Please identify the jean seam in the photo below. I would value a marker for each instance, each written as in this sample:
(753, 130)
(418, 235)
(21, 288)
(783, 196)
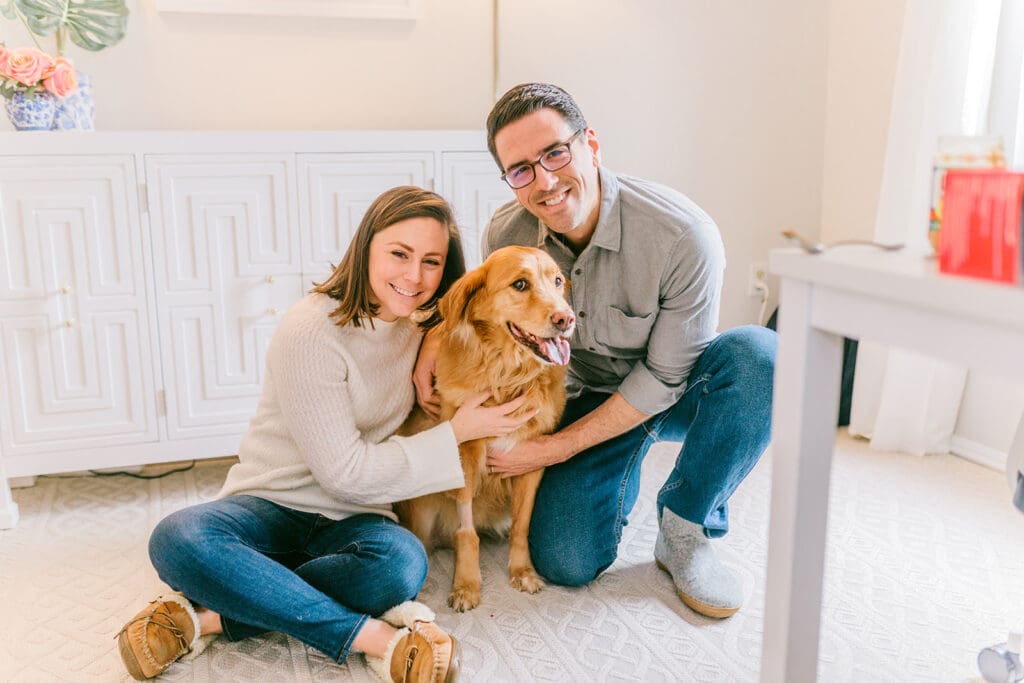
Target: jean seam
(363, 618)
(622, 492)
(702, 381)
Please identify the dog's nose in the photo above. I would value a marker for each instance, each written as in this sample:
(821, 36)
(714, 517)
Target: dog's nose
(563, 320)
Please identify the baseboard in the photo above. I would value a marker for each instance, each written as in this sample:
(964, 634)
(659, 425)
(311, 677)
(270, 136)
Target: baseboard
(978, 453)
(9, 516)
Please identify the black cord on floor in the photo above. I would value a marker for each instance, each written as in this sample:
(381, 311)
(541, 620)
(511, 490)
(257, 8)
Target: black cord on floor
(124, 474)
(186, 468)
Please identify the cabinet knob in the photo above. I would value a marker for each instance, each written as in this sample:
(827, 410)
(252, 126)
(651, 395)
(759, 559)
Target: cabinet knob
(66, 289)
(70, 322)
(269, 279)
(272, 311)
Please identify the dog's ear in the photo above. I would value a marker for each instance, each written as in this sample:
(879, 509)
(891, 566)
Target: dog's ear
(455, 304)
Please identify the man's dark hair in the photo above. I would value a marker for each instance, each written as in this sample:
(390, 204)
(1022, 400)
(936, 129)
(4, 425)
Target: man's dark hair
(526, 98)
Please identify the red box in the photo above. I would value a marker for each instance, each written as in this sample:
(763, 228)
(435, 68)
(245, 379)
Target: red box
(981, 224)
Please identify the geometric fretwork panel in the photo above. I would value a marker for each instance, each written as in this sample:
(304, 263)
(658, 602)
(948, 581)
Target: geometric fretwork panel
(474, 188)
(227, 266)
(74, 338)
(338, 188)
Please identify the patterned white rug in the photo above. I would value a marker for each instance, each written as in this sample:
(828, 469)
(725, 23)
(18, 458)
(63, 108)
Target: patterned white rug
(924, 568)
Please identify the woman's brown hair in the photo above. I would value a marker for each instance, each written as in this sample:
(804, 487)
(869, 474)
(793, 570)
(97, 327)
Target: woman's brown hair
(349, 283)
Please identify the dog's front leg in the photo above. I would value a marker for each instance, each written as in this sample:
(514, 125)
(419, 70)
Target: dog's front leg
(521, 573)
(466, 582)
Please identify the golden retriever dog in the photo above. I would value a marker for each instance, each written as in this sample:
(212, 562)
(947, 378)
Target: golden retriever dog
(505, 330)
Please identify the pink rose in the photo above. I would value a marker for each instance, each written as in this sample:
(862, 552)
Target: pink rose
(3, 60)
(27, 65)
(62, 78)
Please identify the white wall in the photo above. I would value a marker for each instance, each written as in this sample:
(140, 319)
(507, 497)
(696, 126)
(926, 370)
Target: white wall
(863, 47)
(989, 414)
(202, 71)
(721, 100)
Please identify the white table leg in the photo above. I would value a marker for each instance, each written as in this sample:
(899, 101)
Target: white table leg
(8, 508)
(805, 406)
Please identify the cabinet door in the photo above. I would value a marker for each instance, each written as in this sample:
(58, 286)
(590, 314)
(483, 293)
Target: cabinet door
(226, 258)
(76, 368)
(336, 191)
(473, 185)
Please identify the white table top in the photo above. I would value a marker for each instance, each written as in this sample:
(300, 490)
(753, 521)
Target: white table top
(904, 278)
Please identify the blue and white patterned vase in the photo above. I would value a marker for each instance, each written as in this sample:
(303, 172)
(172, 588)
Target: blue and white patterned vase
(31, 114)
(76, 111)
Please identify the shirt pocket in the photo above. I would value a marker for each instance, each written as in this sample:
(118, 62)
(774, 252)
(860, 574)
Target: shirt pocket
(624, 335)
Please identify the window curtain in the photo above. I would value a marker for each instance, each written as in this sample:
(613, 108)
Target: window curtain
(959, 72)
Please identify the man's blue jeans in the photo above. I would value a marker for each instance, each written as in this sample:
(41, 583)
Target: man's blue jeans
(265, 567)
(724, 422)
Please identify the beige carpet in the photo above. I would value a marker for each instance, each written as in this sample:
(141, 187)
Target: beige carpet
(925, 566)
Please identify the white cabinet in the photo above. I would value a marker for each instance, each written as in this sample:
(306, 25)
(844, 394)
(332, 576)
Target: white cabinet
(474, 187)
(336, 191)
(76, 367)
(226, 260)
(142, 276)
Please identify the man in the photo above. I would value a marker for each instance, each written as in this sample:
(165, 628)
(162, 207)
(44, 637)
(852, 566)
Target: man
(646, 266)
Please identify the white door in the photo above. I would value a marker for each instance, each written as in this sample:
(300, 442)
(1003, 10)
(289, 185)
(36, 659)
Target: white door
(336, 191)
(76, 367)
(473, 185)
(227, 265)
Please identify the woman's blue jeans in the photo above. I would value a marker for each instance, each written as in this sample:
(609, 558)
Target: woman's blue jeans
(724, 422)
(266, 567)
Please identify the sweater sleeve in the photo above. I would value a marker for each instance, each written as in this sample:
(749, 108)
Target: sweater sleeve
(310, 377)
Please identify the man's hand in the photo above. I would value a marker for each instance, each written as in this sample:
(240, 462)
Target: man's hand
(423, 374)
(524, 457)
(613, 417)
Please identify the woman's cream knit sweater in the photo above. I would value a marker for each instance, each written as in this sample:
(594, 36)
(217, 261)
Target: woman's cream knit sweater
(332, 397)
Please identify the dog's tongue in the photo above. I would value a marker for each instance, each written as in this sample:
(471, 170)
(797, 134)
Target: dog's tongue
(555, 350)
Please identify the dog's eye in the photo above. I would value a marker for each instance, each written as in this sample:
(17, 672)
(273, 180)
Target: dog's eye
(558, 282)
(521, 285)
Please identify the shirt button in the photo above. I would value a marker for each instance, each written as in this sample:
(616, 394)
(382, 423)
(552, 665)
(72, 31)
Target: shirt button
(582, 314)
(578, 271)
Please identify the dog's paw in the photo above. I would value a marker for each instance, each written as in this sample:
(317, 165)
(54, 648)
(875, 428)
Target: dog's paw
(464, 598)
(525, 580)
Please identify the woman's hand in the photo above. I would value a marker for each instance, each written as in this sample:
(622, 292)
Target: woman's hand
(473, 421)
(423, 375)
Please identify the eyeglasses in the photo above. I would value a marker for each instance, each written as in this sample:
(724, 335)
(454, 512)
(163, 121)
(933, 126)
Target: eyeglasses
(557, 157)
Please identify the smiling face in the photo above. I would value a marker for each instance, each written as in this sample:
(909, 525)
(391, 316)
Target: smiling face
(405, 266)
(530, 294)
(567, 200)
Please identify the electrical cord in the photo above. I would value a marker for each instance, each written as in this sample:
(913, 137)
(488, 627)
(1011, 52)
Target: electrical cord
(133, 475)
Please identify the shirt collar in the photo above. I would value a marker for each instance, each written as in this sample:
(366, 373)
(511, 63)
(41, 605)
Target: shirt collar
(608, 234)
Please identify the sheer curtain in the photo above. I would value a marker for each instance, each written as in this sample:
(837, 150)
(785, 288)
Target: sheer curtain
(959, 72)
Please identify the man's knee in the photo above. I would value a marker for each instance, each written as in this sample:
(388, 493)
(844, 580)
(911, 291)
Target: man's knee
(561, 566)
(750, 350)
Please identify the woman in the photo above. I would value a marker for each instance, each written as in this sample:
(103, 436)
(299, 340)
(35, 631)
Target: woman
(302, 539)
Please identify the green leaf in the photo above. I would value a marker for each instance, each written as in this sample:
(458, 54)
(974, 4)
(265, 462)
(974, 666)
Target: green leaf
(7, 9)
(91, 24)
